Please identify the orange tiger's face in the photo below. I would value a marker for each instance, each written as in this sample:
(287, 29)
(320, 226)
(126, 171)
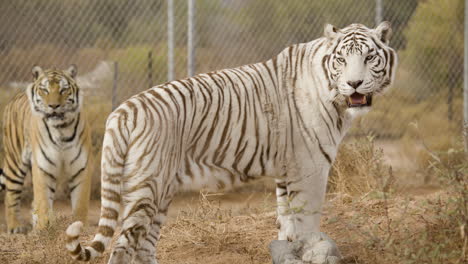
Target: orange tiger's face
(54, 93)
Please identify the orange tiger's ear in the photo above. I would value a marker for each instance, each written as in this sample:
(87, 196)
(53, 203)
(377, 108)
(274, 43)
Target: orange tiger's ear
(36, 71)
(384, 31)
(72, 71)
(330, 31)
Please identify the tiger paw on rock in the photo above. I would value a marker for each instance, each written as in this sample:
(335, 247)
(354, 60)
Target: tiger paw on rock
(311, 248)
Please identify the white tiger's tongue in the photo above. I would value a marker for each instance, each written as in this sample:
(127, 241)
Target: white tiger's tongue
(357, 99)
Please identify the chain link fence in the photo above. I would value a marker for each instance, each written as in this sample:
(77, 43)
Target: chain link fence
(121, 48)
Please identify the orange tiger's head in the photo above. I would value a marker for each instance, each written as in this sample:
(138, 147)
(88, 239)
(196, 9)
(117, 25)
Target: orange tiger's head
(54, 93)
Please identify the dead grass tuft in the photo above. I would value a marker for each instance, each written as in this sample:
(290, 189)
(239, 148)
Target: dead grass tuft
(416, 230)
(206, 230)
(359, 169)
(38, 247)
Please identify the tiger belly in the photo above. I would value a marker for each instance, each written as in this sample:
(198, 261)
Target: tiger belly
(232, 171)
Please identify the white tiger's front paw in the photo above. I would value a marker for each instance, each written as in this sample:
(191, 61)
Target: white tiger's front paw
(310, 248)
(145, 259)
(318, 248)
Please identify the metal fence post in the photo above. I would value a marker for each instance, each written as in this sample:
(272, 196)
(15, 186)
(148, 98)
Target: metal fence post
(190, 38)
(378, 12)
(170, 40)
(465, 82)
(114, 86)
(150, 69)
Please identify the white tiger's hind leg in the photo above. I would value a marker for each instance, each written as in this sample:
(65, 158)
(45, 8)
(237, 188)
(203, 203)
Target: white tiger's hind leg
(146, 251)
(135, 228)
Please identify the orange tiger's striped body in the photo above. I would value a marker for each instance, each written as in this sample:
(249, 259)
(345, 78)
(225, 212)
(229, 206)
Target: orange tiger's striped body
(46, 134)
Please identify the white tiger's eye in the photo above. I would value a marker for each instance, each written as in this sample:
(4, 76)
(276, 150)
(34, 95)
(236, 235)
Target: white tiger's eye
(370, 57)
(340, 60)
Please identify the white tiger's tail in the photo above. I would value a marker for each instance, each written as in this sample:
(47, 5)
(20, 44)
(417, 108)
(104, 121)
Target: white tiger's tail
(112, 167)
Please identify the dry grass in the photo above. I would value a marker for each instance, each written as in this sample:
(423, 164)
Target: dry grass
(46, 246)
(433, 149)
(204, 231)
(399, 227)
(210, 233)
(384, 230)
(360, 169)
(412, 229)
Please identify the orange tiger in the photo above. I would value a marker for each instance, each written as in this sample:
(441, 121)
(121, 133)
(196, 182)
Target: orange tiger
(46, 133)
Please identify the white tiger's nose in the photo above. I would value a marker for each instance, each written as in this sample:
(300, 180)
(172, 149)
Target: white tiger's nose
(354, 84)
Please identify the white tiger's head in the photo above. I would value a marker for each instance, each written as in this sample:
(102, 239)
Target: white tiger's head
(361, 63)
(54, 93)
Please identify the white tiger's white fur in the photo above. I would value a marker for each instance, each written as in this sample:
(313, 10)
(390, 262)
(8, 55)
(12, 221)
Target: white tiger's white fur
(282, 118)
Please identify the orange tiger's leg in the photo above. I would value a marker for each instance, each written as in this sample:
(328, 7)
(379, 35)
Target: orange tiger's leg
(44, 189)
(80, 189)
(13, 180)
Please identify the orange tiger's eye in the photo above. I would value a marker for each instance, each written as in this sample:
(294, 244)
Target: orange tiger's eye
(42, 92)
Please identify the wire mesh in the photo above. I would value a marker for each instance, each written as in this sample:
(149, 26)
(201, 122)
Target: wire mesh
(121, 48)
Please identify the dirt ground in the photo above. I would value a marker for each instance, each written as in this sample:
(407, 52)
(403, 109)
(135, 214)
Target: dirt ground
(237, 226)
(229, 228)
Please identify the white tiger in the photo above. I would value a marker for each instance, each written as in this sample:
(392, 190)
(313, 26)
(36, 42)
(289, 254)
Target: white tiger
(283, 118)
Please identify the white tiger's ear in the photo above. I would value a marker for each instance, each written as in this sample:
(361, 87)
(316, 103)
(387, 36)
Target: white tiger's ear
(384, 31)
(72, 71)
(330, 31)
(36, 71)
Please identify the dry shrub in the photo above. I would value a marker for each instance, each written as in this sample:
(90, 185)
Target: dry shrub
(424, 143)
(208, 231)
(359, 169)
(414, 229)
(397, 230)
(46, 246)
(449, 229)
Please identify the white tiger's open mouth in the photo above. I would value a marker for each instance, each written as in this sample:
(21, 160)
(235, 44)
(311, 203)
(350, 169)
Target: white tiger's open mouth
(359, 100)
